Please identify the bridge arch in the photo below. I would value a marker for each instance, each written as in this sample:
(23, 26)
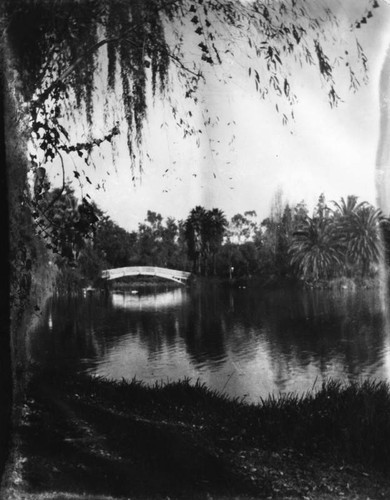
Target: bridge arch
(160, 272)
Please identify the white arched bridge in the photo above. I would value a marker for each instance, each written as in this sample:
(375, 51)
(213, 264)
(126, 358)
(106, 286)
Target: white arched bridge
(160, 272)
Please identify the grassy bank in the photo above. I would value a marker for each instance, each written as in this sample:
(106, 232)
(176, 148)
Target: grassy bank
(86, 436)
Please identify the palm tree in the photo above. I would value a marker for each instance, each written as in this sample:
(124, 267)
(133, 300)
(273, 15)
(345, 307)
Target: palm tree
(215, 227)
(349, 207)
(385, 236)
(358, 230)
(314, 252)
(195, 236)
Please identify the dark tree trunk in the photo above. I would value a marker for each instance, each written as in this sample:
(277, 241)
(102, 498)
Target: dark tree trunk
(5, 340)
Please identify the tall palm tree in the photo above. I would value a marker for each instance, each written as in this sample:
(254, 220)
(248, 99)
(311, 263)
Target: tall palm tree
(215, 227)
(358, 230)
(314, 252)
(348, 207)
(195, 236)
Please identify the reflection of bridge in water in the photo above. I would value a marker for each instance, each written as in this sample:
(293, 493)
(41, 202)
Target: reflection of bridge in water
(160, 272)
(154, 302)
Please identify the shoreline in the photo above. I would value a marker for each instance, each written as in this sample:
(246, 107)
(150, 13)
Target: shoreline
(82, 436)
(334, 284)
(89, 436)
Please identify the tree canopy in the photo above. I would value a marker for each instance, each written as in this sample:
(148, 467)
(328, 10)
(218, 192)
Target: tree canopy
(69, 54)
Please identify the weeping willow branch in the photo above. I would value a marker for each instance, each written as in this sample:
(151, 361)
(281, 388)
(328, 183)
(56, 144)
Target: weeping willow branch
(42, 97)
(56, 198)
(92, 49)
(169, 54)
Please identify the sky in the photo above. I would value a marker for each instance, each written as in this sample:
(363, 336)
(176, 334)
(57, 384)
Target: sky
(249, 155)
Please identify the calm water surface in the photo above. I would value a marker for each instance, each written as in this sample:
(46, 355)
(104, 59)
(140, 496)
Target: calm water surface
(243, 342)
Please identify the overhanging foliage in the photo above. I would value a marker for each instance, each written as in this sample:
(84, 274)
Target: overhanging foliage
(172, 47)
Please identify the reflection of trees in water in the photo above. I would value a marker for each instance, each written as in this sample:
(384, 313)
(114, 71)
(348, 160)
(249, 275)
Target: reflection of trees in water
(72, 329)
(157, 332)
(297, 329)
(314, 331)
(204, 332)
(66, 333)
(345, 330)
(154, 331)
(153, 319)
(196, 323)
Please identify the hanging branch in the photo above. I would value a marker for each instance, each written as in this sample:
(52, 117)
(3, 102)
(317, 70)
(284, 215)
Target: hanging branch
(42, 97)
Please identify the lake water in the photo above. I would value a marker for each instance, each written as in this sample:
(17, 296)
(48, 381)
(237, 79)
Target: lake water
(243, 342)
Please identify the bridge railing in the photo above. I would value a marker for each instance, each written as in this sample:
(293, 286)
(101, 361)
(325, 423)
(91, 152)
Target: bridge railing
(145, 271)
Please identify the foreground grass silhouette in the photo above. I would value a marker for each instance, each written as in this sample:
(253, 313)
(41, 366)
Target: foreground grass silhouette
(88, 436)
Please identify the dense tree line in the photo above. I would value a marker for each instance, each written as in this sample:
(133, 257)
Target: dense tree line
(342, 240)
(345, 238)
(54, 54)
